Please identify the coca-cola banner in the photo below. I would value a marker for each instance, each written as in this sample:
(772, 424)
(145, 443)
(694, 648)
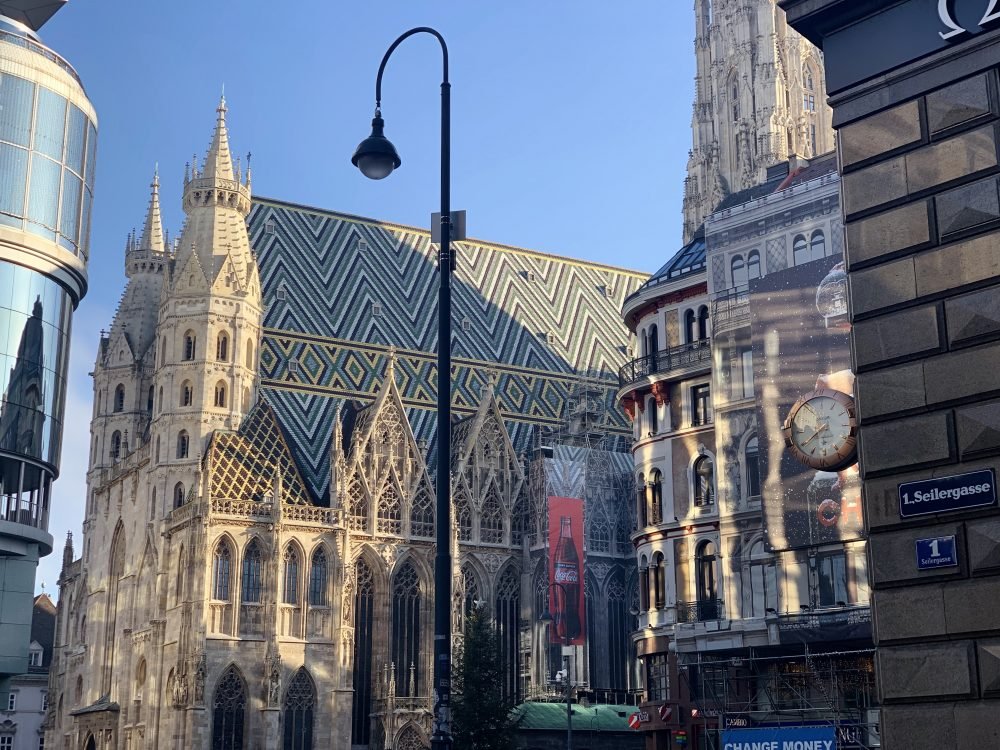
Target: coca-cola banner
(566, 571)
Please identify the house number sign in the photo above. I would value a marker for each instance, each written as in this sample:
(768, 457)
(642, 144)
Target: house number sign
(946, 12)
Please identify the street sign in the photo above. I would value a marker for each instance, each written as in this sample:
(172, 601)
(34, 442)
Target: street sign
(634, 722)
(780, 738)
(665, 712)
(945, 494)
(936, 552)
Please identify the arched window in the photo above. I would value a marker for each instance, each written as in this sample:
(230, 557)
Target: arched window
(78, 693)
(187, 393)
(357, 503)
(297, 720)
(251, 364)
(817, 245)
(178, 495)
(229, 705)
(491, 519)
(753, 264)
(119, 398)
(140, 679)
(738, 267)
(690, 326)
(409, 739)
(406, 600)
(422, 514)
(470, 590)
(116, 445)
(183, 444)
(598, 532)
(654, 341)
(463, 514)
(159, 399)
(190, 345)
(619, 631)
(364, 606)
(290, 578)
(152, 504)
(734, 90)
(651, 415)
(506, 616)
(318, 579)
(704, 482)
(149, 400)
(659, 582)
(760, 585)
(708, 604)
(253, 582)
(222, 347)
(703, 323)
(220, 395)
(390, 511)
(752, 468)
(800, 250)
(222, 571)
(656, 495)
(643, 507)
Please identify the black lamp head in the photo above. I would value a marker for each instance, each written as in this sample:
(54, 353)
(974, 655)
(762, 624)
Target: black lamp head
(375, 156)
(546, 616)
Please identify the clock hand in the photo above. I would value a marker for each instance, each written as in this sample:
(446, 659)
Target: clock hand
(815, 434)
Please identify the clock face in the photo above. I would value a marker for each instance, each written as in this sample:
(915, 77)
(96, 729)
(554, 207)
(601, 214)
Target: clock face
(821, 430)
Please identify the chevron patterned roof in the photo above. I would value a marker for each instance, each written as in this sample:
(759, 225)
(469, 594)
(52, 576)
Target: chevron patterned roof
(340, 290)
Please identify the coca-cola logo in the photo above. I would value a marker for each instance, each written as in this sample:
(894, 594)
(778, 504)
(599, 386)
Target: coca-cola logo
(567, 574)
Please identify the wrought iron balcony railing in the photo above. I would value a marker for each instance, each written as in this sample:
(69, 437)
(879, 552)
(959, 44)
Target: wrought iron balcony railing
(709, 609)
(685, 356)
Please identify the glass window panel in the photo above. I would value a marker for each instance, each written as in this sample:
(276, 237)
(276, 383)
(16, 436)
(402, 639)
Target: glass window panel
(85, 224)
(91, 154)
(50, 123)
(69, 218)
(17, 97)
(76, 136)
(43, 199)
(13, 177)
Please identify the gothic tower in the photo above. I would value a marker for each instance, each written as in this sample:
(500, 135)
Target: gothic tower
(760, 98)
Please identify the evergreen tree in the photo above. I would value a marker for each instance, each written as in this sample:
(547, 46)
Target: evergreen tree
(481, 713)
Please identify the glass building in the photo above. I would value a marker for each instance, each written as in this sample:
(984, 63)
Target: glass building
(48, 141)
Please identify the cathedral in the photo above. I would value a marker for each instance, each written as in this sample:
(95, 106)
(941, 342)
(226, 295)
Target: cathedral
(256, 567)
(760, 98)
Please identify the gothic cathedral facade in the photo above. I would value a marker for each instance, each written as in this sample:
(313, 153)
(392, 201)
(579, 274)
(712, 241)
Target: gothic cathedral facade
(218, 602)
(760, 98)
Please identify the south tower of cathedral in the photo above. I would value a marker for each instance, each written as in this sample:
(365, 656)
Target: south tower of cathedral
(228, 594)
(760, 98)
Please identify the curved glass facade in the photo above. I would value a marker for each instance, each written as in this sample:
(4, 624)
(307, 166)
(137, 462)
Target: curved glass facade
(47, 153)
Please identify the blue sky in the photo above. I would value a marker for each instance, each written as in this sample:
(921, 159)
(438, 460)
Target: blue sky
(570, 128)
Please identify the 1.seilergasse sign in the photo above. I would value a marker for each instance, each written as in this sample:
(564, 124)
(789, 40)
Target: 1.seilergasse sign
(780, 738)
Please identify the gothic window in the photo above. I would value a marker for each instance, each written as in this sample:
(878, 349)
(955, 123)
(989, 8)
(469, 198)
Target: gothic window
(704, 482)
(116, 445)
(290, 585)
(318, 579)
(390, 511)
(491, 519)
(752, 468)
(507, 614)
(183, 444)
(152, 504)
(656, 495)
(187, 393)
(470, 584)
(229, 705)
(253, 582)
(739, 271)
(222, 571)
(178, 495)
(222, 347)
(119, 398)
(220, 395)
(364, 604)
(410, 740)
(619, 629)
(190, 343)
(406, 644)
(734, 90)
(357, 506)
(640, 496)
(800, 251)
(807, 76)
(422, 514)
(600, 533)
(517, 518)
(753, 265)
(157, 449)
(159, 399)
(297, 718)
(703, 323)
(817, 245)
(140, 679)
(79, 691)
(149, 400)
(463, 515)
(250, 361)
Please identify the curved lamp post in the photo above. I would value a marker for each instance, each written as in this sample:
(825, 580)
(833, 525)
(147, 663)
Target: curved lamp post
(376, 157)
(547, 618)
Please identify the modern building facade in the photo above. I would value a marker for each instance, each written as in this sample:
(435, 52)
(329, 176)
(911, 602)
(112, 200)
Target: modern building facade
(48, 142)
(747, 619)
(257, 555)
(916, 115)
(760, 97)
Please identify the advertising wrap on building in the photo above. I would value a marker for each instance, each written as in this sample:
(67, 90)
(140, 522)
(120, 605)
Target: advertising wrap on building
(780, 738)
(566, 601)
(804, 390)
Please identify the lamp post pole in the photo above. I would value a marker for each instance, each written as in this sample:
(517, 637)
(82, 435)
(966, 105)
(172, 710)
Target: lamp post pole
(376, 157)
(547, 617)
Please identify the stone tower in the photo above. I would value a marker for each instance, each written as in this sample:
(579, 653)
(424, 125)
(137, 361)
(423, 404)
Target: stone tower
(760, 97)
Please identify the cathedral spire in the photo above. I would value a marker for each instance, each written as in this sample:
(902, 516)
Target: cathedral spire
(152, 230)
(219, 160)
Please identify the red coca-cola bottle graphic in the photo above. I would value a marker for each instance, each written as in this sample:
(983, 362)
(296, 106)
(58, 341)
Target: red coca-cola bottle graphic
(567, 575)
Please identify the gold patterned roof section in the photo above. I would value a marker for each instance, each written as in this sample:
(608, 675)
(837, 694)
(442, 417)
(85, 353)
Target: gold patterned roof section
(243, 462)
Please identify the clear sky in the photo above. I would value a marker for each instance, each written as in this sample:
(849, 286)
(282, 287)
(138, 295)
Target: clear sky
(570, 129)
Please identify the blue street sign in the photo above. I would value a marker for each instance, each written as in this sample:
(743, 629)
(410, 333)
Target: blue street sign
(780, 738)
(936, 552)
(944, 494)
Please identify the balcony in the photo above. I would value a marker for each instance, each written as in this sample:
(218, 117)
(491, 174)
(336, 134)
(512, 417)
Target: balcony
(680, 360)
(731, 309)
(710, 609)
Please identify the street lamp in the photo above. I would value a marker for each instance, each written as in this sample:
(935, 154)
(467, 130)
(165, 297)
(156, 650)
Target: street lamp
(547, 618)
(376, 157)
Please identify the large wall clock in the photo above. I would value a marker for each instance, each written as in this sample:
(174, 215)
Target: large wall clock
(821, 430)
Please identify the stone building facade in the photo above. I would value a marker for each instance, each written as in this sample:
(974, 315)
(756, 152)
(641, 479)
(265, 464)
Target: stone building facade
(258, 545)
(760, 97)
